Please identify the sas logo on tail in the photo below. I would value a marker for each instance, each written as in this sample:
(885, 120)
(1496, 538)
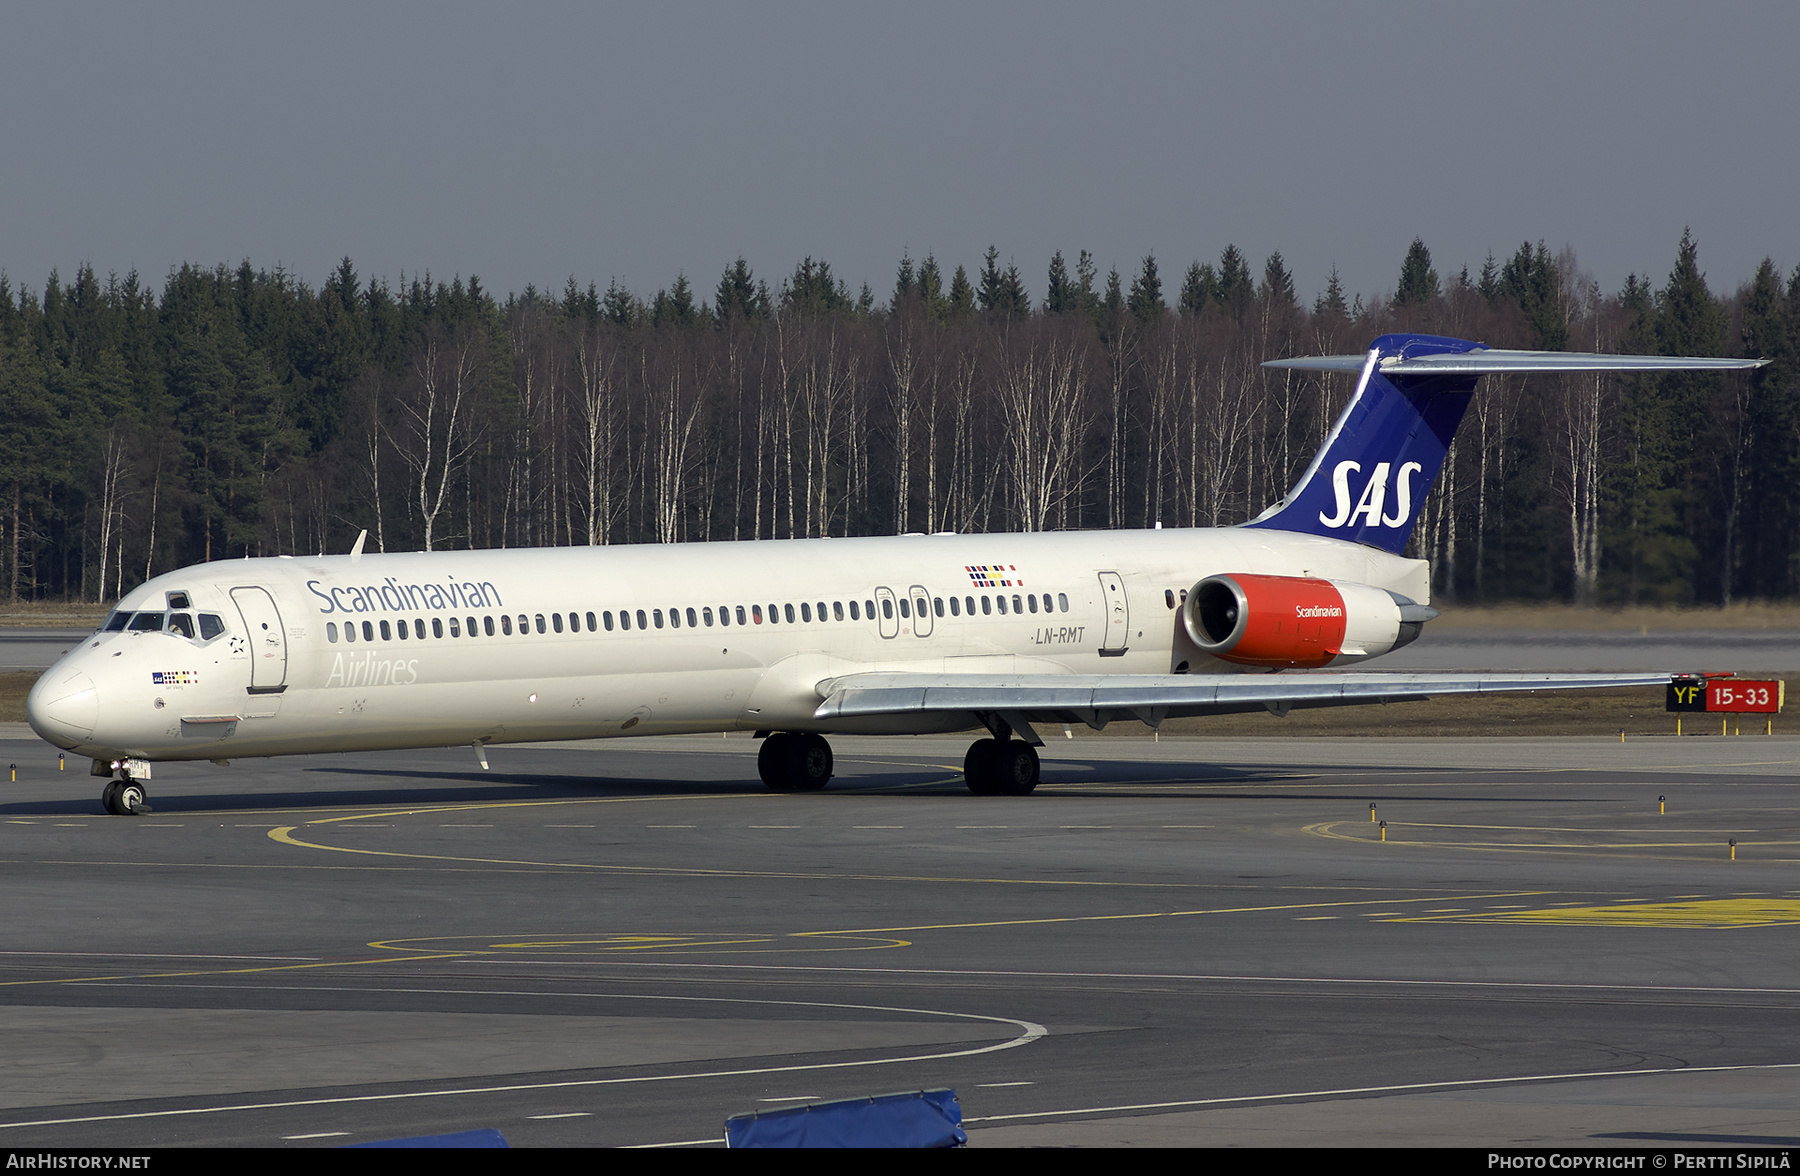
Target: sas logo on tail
(1369, 508)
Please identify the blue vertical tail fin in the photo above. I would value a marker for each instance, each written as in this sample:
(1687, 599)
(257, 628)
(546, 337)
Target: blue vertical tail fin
(1369, 481)
(1371, 477)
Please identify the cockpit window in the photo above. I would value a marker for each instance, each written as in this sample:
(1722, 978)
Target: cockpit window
(211, 626)
(147, 622)
(117, 622)
(183, 624)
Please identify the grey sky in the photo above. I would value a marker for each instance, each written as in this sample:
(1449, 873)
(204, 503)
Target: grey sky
(529, 142)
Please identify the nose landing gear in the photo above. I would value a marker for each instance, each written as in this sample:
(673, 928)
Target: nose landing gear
(125, 798)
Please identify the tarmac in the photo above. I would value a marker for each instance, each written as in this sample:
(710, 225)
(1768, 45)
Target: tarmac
(1325, 942)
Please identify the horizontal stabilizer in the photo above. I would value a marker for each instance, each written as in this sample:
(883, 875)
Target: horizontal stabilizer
(1490, 360)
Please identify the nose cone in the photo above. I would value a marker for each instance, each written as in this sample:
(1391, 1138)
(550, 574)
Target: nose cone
(63, 708)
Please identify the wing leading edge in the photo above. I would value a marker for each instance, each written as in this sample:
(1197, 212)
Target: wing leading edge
(1096, 700)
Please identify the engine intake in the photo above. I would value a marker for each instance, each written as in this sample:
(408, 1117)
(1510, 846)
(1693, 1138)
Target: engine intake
(1297, 622)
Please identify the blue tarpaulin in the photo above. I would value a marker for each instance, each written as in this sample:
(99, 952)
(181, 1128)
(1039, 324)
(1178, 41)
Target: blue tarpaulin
(914, 1118)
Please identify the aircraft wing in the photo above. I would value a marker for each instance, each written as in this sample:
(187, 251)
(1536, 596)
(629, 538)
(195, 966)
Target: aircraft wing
(1098, 699)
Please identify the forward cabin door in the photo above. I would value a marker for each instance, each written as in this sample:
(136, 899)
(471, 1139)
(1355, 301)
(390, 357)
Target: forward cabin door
(268, 641)
(1118, 614)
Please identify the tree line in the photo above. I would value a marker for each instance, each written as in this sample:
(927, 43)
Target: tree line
(240, 411)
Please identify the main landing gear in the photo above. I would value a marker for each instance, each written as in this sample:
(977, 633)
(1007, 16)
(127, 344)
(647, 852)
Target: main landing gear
(125, 798)
(1001, 767)
(794, 761)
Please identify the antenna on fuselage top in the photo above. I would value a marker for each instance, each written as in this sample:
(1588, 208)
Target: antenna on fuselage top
(356, 548)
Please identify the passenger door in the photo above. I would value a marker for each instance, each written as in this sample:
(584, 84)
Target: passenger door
(921, 604)
(887, 616)
(1118, 615)
(268, 641)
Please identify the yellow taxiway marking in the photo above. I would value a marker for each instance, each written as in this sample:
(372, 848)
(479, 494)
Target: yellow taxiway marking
(285, 834)
(1705, 914)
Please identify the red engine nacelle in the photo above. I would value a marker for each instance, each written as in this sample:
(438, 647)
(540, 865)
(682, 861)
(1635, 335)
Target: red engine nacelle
(1296, 622)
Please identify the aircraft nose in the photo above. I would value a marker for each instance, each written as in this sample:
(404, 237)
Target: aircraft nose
(63, 708)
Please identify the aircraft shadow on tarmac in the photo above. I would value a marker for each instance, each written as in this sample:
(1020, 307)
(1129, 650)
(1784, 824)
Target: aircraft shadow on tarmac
(1063, 779)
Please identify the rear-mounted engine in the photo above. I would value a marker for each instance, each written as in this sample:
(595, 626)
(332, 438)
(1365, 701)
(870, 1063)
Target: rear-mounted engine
(1295, 622)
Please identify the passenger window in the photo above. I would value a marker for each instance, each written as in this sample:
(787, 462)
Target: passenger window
(524, 625)
(181, 623)
(774, 614)
(487, 625)
(1018, 605)
(853, 612)
(540, 622)
(592, 626)
(955, 607)
(331, 631)
(740, 615)
(986, 606)
(789, 610)
(756, 613)
(437, 626)
(455, 630)
(905, 611)
(606, 618)
(1047, 607)
(805, 611)
(350, 631)
(1033, 600)
(837, 609)
(656, 615)
(368, 630)
(642, 624)
(969, 603)
(419, 628)
(505, 625)
(401, 630)
(387, 632)
(574, 622)
(869, 608)
(624, 620)
(1062, 599)
(691, 618)
(556, 621)
(887, 609)
(937, 605)
(707, 614)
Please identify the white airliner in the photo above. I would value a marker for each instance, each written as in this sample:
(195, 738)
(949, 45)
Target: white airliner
(802, 638)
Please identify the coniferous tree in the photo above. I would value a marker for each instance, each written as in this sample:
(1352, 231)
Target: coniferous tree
(1418, 281)
(1146, 301)
(1199, 289)
(1059, 296)
(739, 298)
(906, 283)
(961, 304)
(1331, 302)
(1277, 291)
(1237, 290)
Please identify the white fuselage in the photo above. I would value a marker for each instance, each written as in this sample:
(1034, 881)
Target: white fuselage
(284, 677)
